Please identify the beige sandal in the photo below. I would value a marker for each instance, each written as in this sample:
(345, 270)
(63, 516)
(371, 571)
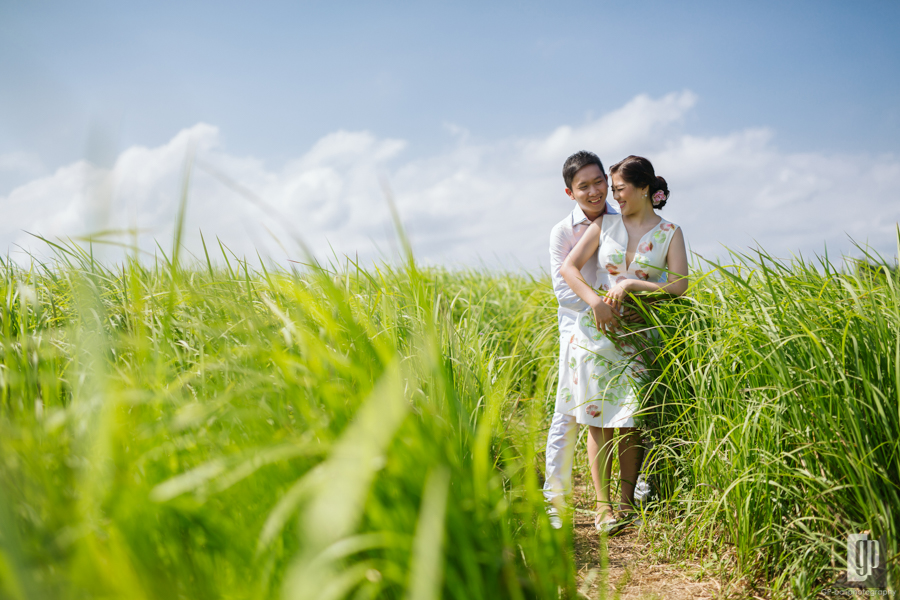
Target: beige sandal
(607, 524)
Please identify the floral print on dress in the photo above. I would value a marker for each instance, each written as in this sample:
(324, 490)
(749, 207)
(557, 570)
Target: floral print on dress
(597, 359)
(608, 366)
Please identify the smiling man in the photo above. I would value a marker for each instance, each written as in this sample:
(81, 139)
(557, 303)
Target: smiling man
(587, 185)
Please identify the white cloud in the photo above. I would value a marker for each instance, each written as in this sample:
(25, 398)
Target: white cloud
(493, 200)
(643, 122)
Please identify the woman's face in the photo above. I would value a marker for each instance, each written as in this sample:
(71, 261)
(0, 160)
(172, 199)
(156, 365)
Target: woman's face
(630, 198)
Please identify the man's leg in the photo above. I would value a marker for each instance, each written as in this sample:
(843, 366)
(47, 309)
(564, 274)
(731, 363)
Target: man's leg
(642, 487)
(560, 454)
(560, 439)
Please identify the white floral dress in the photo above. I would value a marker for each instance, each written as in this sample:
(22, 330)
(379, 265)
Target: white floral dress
(599, 375)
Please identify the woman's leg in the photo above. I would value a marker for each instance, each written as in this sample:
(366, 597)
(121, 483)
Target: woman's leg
(600, 459)
(629, 461)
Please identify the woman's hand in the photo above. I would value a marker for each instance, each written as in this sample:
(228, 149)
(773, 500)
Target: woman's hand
(603, 315)
(617, 294)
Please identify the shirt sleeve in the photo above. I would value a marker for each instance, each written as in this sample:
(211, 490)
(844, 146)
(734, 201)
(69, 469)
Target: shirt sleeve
(560, 246)
(558, 251)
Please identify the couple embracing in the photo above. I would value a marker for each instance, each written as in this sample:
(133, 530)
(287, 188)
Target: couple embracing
(599, 255)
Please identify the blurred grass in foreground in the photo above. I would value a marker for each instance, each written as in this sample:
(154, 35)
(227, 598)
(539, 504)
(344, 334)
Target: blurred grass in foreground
(233, 432)
(238, 433)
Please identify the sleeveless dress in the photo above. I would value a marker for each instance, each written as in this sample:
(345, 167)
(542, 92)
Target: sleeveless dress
(598, 381)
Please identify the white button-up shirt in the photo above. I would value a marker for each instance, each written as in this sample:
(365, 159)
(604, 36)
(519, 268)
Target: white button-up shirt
(563, 238)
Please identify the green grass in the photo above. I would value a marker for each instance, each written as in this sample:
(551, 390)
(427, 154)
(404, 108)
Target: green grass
(239, 433)
(778, 408)
(236, 431)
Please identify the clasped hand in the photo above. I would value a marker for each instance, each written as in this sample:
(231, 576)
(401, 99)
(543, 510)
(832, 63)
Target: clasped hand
(608, 309)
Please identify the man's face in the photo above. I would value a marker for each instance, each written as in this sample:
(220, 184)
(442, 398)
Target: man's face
(589, 190)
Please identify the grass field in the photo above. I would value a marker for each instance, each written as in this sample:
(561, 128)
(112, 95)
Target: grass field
(237, 432)
(778, 404)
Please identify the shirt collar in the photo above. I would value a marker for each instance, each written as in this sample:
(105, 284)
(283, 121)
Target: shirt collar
(579, 218)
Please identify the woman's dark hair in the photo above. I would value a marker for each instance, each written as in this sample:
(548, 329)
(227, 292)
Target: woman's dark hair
(578, 161)
(638, 171)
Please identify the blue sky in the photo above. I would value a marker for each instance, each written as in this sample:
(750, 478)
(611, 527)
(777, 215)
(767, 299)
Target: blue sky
(94, 79)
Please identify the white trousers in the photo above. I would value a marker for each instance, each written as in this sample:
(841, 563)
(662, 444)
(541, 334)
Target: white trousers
(560, 453)
(563, 428)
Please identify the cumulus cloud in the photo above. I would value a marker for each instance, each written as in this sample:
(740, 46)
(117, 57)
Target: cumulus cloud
(488, 201)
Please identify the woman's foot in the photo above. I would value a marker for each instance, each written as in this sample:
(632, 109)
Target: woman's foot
(605, 519)
(627, 510)
(628, 515)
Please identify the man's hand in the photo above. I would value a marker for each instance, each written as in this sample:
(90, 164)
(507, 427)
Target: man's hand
(631, 312)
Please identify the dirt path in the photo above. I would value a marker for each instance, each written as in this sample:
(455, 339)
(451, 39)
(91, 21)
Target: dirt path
(623, 565)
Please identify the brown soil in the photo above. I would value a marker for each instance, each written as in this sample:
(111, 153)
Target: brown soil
(623, 567)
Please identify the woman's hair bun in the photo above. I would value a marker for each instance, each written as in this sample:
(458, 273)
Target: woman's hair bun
(661, 184)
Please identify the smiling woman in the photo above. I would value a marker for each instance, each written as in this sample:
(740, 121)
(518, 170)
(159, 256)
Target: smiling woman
(634, 180)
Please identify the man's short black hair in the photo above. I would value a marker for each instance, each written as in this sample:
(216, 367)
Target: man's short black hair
(578, 161)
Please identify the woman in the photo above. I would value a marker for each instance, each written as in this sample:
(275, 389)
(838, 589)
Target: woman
(634, 248)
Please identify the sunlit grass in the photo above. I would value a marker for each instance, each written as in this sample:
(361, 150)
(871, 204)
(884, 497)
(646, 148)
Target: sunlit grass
(239, 431)
(779, 416)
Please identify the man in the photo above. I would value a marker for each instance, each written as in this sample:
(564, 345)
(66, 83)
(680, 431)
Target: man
(587, 186)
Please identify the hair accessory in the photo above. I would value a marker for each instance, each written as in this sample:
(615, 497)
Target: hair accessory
(658, 197)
